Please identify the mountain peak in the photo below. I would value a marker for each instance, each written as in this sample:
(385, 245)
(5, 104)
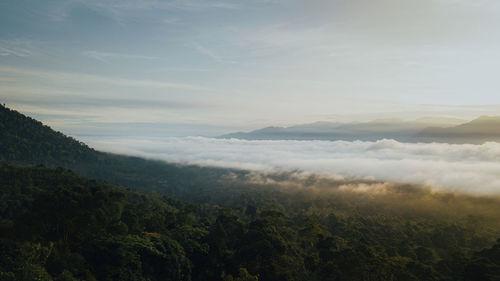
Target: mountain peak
(486, 119)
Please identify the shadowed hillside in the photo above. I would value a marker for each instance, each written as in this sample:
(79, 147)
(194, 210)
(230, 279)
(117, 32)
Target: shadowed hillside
(25, 141)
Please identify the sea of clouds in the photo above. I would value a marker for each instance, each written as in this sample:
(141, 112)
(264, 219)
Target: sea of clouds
(455, 167)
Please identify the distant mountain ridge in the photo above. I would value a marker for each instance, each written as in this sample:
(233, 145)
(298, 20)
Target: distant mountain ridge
(448, 130)
(365, 131)
(478, 131)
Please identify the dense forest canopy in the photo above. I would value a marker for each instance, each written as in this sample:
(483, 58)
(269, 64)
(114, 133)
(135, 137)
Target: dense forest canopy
(25, 141)
(56, 225)
(201, 223)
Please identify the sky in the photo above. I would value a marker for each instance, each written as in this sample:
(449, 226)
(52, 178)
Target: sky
(195, 67)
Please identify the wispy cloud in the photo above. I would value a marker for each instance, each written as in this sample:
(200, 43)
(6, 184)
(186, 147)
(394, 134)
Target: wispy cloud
(14, 52)
(199, 5)
(105, 56)
(124, 11)
(185, 69)
(71, 99)
(7, 79)
(121, 8)
(466, 106)
(206, 51)
(211, 54)
(170, 20)
(16, 47)
(86, 78)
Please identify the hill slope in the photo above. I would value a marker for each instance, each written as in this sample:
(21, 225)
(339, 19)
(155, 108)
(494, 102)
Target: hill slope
(477, 131)
(25, 141)
(57, 225)
(366, 131)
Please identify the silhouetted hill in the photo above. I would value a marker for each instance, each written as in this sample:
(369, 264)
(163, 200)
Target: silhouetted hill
(365, 131)
(25, 141)
(478, 131)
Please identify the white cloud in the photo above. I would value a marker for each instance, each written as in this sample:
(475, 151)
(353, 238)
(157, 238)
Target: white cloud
(16, 47)
(14, 52)
(122, 8)
(465, 168)
(211, 54)
(90, 78)
(206, 51)
(409, 21)
(104, 56)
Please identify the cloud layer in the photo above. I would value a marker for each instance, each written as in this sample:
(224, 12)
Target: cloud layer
(465, 168)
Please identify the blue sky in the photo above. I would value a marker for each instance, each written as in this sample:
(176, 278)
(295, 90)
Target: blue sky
(208, 67)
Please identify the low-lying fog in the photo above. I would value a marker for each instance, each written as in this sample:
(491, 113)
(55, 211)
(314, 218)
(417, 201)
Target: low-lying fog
(465, 168)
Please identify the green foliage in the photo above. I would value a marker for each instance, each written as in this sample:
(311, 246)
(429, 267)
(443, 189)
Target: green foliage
(61, 226)
(25, 141)
(57, 225)
(67, 227)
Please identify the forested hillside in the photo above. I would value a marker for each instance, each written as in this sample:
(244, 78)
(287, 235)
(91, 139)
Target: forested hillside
(25, 141)
(56, 225)
(227, 224)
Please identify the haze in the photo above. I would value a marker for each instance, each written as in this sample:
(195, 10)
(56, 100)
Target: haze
(198, 67)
